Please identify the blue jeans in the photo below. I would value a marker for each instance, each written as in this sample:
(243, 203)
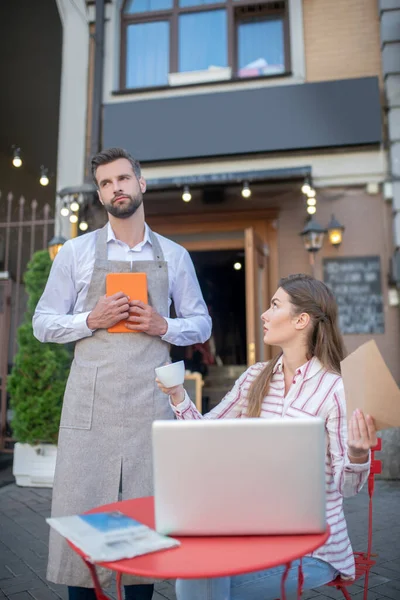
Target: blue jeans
(262, 585)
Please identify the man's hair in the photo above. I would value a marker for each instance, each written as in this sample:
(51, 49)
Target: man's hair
(110, 155)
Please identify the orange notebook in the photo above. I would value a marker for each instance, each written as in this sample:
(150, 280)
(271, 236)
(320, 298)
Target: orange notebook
(133, 285)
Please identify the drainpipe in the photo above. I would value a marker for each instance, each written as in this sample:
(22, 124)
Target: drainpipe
(389, 11)
(98, 79)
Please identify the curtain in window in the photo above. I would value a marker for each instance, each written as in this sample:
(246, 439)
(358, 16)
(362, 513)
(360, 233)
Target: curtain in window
(260, 48)
(202, 40)
(147, 54)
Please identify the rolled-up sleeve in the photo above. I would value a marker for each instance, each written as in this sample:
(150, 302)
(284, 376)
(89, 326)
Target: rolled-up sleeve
(54, 320)
(231, 406)
(192, 324)
(349, 477)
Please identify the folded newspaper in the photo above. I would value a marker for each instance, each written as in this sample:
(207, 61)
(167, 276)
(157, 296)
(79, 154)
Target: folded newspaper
(109, 536)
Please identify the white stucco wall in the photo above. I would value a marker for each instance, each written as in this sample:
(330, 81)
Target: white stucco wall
(73, 101)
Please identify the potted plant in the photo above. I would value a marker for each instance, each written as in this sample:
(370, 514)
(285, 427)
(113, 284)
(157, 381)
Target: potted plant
(36, 386)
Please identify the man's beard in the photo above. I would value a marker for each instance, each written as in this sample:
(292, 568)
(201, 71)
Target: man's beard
(127, 209)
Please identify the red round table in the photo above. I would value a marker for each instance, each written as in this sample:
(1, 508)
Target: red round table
(198, 557)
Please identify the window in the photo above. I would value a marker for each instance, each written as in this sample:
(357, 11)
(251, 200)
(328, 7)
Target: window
(202, 40)
(235, 38)
(147, 55)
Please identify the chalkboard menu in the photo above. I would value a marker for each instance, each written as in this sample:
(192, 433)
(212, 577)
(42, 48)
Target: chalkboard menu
(356, 283)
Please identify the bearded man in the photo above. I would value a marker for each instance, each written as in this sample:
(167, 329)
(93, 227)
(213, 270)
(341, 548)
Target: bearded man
(111, 398)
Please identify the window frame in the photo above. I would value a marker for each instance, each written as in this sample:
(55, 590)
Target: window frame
(172, 16)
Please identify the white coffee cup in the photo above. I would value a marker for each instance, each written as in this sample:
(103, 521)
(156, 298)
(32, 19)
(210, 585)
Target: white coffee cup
(171, 375)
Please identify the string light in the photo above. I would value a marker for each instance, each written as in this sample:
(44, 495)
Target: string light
(44, 180)
(17, 160)
(306, 187)
(186, 196)
(83, 226)
(73, 218)
(64, 211)
(246, 191)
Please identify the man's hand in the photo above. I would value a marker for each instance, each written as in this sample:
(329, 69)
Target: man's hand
(361, 437)
(108, 311)
(144, 318)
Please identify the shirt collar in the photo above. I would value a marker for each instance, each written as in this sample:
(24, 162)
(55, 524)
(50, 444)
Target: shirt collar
(111, 235)
(307, 371)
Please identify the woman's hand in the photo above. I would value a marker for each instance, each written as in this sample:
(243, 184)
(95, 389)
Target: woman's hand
(361, 437)
(176, 393)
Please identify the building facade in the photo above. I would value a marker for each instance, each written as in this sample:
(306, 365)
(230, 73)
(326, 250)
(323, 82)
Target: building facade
(219, 99)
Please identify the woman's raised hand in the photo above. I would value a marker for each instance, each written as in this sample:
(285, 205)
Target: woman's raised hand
(361, 436)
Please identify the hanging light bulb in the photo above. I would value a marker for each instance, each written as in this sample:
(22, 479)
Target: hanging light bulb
(83, 226)
(311, 201)
(186, 196)
(246, 191)
(74, 205)
(311, 210)
(306, 187)
(311, 193)
(64, 211)
(73, 218)
(17, 160)
(237, 266)
(44, 180)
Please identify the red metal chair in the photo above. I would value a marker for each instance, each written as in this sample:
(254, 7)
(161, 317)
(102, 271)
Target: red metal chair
(363, 560)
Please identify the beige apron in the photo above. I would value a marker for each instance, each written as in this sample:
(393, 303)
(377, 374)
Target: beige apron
(110, 402)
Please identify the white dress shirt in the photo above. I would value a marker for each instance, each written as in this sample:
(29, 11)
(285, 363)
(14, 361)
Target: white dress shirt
(60, 315)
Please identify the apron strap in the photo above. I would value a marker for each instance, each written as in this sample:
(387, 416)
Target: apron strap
(101, 245)
(157, 250)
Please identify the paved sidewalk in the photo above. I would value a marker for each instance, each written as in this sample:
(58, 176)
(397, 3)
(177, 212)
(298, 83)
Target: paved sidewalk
(24, 532)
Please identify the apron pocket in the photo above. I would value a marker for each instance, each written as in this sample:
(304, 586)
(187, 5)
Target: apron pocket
(78, 402)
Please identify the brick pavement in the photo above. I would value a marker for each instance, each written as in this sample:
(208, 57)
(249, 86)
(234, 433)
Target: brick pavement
(24, 532)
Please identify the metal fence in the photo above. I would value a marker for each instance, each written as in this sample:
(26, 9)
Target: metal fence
(24, 229)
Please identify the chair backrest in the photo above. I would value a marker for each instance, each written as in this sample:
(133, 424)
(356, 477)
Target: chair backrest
(194, 386)
(376, 468)
(363, 559)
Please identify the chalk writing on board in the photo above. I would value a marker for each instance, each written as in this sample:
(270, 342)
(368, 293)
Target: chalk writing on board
(356, 283)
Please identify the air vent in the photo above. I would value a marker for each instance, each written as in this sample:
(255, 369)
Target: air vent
(260, 9)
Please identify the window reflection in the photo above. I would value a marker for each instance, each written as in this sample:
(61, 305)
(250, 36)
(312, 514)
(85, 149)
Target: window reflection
(260, 47)
(202, 40)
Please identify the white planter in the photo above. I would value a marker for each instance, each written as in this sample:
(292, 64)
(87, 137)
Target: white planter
(34, 466)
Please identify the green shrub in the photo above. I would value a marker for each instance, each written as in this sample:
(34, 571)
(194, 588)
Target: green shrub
(39, 375)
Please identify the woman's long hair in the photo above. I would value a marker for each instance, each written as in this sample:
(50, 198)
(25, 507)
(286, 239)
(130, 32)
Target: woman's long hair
(311, 296)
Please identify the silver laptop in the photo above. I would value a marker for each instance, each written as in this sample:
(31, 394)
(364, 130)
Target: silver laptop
(239, 476)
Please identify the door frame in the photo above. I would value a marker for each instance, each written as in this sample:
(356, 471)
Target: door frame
(262, 221)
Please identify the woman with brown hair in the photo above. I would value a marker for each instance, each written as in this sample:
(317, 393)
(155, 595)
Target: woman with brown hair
(302, 380)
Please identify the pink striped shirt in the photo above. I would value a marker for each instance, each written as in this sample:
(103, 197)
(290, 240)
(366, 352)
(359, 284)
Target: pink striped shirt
(314, 392)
